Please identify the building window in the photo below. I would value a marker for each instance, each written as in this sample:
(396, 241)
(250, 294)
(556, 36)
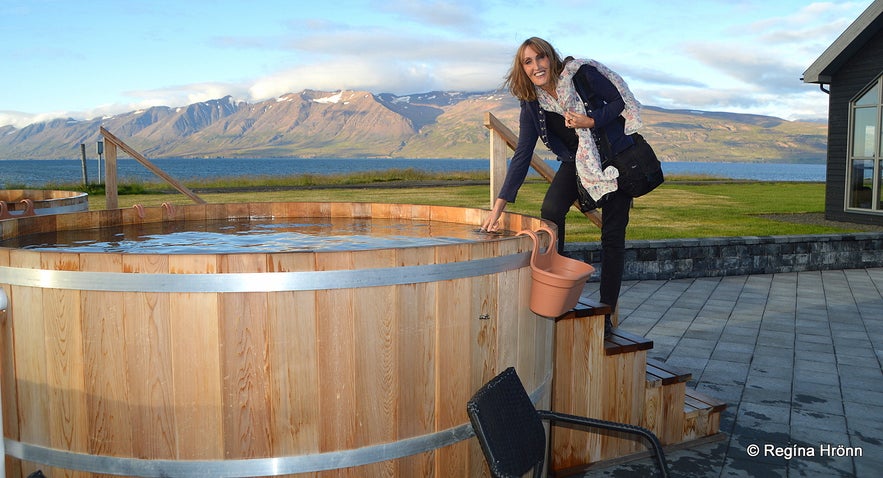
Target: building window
(865, 175)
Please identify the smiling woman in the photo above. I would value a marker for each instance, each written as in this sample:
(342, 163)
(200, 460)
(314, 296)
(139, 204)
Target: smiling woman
(585, 114)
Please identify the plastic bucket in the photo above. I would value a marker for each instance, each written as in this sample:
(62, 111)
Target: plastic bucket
(557, 281)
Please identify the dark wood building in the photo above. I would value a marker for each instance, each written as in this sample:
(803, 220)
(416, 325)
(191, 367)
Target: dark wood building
(851, 72)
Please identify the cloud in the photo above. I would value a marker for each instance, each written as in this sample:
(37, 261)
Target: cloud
(329, 55)
(657, 77)
(805, 103)
(387, 76)
(698, 98)
(759, 69)
(173, 96)
(379, 60)
(19, 120)
(769, 57)
(456, 15)
(385, 45)
(179, 95)
(826, 18)
(807, 32)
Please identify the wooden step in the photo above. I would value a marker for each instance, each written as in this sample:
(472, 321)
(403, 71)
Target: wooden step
(587, 308)
(702, 415)
(664, 400)
(620, 342)
(619, 383)
(698, 400)
(665, 374)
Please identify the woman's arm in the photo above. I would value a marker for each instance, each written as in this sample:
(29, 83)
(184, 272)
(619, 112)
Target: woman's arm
(518, 167)
(606, 111)
(520, 163)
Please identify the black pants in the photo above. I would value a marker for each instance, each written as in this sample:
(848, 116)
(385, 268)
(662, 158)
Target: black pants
(614, 218)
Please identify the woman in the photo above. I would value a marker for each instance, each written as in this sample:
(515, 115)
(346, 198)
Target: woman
(582, 111)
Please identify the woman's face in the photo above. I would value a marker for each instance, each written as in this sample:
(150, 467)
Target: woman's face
(537, 66)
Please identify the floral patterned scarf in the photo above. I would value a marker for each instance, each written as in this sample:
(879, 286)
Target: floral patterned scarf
(588, 160)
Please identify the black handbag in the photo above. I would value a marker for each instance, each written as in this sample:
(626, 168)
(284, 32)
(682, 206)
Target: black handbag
(639, 169)
(639, 172)
(586, 202)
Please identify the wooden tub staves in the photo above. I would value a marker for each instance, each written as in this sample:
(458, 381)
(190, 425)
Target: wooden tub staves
(351, 363)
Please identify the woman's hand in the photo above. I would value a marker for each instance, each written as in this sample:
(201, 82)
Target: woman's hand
(575, 120)
(491, 223)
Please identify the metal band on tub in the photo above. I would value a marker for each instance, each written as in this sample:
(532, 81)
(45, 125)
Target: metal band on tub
(249, 467)
(259, 281)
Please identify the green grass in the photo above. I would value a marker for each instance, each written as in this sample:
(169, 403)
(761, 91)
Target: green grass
(127, 187)
(726, 209)
(683, 207)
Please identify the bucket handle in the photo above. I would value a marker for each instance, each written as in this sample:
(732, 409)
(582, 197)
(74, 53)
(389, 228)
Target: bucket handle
(536, 241)
(553, 237)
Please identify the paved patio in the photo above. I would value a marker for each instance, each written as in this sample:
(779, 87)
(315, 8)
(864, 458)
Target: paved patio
(797, 357)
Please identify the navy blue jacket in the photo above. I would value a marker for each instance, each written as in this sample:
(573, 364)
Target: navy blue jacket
(602, 102)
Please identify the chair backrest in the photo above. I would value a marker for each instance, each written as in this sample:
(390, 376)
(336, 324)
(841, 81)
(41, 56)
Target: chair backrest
(507, 426)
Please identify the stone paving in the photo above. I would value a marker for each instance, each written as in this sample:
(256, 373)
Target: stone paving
(797, 357)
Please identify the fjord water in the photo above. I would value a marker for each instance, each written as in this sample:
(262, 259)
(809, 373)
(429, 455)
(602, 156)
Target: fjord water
(37, 173)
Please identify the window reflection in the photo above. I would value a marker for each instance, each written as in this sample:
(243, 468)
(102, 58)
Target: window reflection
(871, 98)
(864, 133)
(860, 194)
(880, 189)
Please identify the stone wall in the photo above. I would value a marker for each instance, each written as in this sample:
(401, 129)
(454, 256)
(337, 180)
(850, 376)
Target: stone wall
(714, 257)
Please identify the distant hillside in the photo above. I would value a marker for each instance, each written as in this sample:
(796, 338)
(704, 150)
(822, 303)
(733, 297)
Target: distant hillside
(354, 124)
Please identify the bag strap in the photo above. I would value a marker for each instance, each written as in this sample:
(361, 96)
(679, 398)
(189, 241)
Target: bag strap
(587, 94)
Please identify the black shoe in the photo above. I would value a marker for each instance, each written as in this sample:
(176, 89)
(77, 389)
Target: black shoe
(608, 326)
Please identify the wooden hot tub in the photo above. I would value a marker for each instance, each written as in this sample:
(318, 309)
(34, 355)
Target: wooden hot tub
(355, 363)
(43, 201)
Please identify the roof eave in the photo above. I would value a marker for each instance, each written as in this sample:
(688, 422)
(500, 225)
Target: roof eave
(845, 45)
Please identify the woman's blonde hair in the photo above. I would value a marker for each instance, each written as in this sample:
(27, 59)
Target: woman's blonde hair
(518, 82)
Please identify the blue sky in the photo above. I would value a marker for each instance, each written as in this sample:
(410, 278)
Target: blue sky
(65, 58)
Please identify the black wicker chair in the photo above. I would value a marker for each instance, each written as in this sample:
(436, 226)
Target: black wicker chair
(510, 429)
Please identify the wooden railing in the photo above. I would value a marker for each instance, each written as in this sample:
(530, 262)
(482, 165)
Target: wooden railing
(111, 143)
(503, 139)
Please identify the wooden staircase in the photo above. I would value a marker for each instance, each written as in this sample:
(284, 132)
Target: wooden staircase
(613, 379)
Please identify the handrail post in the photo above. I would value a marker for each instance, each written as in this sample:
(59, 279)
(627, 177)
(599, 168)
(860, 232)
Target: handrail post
(111, 143)
(499, 130)
(498, 164)
(110, 176)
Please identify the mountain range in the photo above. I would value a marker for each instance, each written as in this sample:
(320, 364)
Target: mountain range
(359, 124)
